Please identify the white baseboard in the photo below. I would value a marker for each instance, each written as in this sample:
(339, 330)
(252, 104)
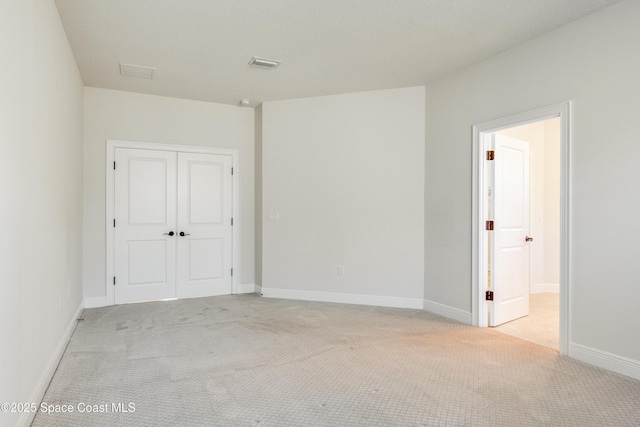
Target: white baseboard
(245, 288)
(259, 290)
(619, 364)
(27, 417)
(448, 311)
(375, 300)
(95, 302)
(545, 288)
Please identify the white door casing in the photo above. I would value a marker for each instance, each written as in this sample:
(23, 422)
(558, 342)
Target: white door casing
(205, 218)
(480, 133)
(144, 214)
(227, 159)
(510, 252)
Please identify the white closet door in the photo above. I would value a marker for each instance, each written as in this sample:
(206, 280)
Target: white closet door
(204, 225)
(145, 215)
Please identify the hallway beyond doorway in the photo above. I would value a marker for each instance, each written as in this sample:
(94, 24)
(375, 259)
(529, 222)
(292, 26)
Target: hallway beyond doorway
(541, 325)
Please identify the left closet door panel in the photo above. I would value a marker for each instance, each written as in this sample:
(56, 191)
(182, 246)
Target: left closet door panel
(145, 235)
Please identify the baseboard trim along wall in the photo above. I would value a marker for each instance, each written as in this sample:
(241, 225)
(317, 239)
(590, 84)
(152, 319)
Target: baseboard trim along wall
(245, 288)
(619, 364)
(448, 311)
(375, 300)
(95, 302)
(27, 417)
(545, 288)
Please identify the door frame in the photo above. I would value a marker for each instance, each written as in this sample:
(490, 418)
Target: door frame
(111, 146)
(479, 308)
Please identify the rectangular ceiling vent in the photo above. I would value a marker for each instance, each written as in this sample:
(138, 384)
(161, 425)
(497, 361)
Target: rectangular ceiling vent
(268, 64)
(136, 71)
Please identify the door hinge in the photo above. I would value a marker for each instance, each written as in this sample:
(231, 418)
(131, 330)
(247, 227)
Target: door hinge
(232, 272)
(489, 296)
(114, 222)
(491, 155)
(489, 225)
(231, 221)
(114, 280)
(231, 171)
(114, 165)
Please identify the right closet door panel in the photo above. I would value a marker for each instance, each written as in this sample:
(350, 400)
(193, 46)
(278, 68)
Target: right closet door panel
(204, 228)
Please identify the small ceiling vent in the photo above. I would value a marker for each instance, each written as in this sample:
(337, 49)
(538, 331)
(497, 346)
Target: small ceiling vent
(136, 71)
(268, 64)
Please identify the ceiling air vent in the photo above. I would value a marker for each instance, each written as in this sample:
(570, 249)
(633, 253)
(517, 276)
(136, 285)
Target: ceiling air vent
(268, 64)
(136, 71)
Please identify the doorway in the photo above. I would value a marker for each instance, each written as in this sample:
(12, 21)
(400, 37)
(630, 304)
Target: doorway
(531, 310)
(170, 221)
(520, 260)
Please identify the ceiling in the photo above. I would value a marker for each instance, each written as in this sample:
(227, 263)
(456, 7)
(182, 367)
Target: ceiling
(201, 48)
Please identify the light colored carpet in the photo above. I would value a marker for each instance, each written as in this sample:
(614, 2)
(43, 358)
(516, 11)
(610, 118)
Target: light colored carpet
(542, 325)
(251, 361)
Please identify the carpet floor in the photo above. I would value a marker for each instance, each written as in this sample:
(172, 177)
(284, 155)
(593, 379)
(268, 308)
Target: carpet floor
(251, 361)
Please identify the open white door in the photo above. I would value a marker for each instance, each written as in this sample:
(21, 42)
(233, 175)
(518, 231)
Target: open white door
(510, 274)
(204, 225)
(145, 220)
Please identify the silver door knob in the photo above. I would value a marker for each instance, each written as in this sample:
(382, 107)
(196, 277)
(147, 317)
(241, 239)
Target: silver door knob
(171, 233)
(182, 233)
(528, 239)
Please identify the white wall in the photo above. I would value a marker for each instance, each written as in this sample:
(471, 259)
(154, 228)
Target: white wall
(544, 143)
(592, 62)
(346, 175)
(551, 212)
(258, 173)
(113, 114)
(40, 198)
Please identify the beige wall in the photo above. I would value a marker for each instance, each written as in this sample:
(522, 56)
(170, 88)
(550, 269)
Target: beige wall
(40, 198)
(113, 114)
(593, 63)
(346, 175)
